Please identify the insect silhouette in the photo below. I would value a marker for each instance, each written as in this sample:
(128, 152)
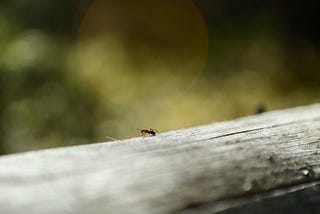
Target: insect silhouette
(150, 132)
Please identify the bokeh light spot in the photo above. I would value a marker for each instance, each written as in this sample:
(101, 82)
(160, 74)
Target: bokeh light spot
(138, 54)
(143, 38)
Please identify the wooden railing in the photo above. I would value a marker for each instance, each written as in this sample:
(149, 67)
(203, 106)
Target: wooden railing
(257, 164)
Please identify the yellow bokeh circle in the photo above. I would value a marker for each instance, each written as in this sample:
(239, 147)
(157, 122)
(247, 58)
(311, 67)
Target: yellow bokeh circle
(128, 47)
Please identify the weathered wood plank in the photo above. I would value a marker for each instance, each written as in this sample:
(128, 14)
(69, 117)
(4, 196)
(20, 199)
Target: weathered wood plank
(218, 167)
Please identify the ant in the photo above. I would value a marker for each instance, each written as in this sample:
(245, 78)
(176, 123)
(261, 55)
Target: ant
(148, 132)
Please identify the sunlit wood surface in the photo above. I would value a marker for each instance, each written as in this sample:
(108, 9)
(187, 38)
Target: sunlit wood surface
(258, 164)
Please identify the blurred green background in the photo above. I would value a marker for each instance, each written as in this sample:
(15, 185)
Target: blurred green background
(73, 72)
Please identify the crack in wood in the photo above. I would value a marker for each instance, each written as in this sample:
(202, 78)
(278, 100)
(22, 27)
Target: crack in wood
(261, 128)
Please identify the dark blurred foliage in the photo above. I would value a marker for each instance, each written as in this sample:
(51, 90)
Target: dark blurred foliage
(40, 105)
(51, 16)
(271, 47)
(295, 23)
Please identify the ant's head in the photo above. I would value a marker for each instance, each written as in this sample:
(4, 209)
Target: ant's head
(154, 130)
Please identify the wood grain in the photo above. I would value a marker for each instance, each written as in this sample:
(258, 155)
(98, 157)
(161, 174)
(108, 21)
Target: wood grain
(226, 167)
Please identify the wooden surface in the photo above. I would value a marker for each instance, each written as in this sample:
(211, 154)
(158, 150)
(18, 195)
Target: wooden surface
(258, 164)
